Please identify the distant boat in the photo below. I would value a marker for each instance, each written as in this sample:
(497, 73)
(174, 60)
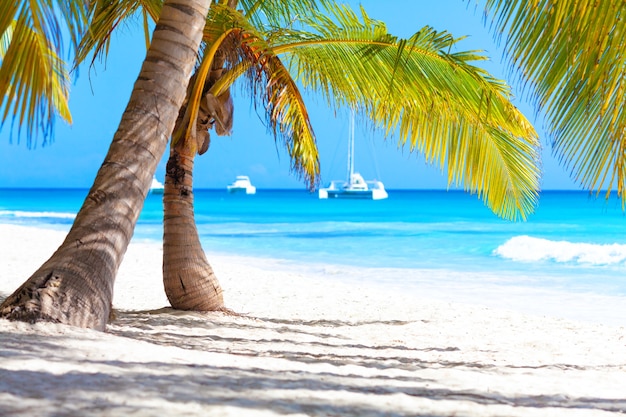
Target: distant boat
(241, 185)
(156, 187)
(354, 186)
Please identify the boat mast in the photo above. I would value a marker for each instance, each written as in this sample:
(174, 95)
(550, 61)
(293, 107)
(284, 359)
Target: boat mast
(351, 149)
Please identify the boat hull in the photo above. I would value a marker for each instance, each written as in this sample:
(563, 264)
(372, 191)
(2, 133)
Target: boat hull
(241, 190)
(241, 185)
(353, 194)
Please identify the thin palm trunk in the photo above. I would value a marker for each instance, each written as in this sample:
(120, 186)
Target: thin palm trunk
(189, 280)
(75, 286)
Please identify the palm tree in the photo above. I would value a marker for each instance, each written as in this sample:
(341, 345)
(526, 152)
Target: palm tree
(188, 279)
(569, 57)
(75, 286)
(591, 109)
(465, 123)
(243, 44)
(186, 269)
(322, 49)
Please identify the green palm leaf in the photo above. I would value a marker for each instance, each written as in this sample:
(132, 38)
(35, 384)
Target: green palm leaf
(269, 81)
(106, 16)
(287, 117)
(435, 101)
(34, 80)
(276, 13)
(570, 58)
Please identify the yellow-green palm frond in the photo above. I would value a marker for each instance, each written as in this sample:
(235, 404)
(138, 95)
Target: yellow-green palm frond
(436, 101)
(47, 17)
(276, 13)
(34, 80)
(108, 15)
(248, 54)
(570, 57)
(5, 40)
(287, 116)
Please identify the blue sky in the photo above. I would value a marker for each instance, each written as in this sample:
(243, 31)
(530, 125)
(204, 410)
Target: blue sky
(98, 99)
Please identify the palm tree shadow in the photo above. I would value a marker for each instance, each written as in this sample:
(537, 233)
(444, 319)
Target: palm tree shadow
(307, 365)
(124, 387)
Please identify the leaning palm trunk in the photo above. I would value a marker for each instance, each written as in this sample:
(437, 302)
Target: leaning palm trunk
(75, 286)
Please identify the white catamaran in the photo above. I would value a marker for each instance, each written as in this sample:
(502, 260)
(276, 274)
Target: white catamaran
(355, 186)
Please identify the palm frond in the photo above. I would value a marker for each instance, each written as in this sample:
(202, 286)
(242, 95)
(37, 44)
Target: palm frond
(437, 102)
(287, 117)
(75, 16)
(276, 13)
(106, 16)
(269, 82)
(34, 80)
(8, 14)
(569, 56)
(5, 39)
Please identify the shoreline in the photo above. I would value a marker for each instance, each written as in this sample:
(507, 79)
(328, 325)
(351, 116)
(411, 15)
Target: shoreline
(305, 344)
(498, 290)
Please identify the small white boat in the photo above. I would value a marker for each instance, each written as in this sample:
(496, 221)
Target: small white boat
(354, 186)
(241, 185)
(156, 187)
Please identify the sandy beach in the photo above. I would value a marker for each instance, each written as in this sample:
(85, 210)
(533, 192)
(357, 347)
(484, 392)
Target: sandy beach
(304, 344)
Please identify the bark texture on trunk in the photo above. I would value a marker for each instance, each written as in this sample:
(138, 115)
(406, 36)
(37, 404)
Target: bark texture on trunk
(75, 286)
(189, 280)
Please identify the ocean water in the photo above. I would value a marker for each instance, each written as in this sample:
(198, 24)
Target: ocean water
(573, 242)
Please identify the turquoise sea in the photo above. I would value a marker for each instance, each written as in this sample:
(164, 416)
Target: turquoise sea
(573, 242)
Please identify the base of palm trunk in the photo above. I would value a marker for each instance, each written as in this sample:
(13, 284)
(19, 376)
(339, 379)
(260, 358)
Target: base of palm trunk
(194, 289)
(25, 306)
(188, 279)
(55, 298)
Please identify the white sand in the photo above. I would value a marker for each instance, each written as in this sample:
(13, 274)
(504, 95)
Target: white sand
(309, 345)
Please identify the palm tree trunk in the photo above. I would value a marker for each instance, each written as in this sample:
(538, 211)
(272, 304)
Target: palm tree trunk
(75, 286)
(189, 281)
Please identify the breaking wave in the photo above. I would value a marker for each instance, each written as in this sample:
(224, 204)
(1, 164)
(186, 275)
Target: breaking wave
(531, 249)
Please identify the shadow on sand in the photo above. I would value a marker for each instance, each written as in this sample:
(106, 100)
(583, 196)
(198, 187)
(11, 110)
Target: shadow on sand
(316, 368)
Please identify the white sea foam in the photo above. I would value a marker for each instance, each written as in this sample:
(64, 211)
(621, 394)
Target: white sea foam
(36, 214)
(530, 249)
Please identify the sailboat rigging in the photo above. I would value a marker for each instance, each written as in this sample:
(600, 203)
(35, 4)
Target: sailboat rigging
(354, 186)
